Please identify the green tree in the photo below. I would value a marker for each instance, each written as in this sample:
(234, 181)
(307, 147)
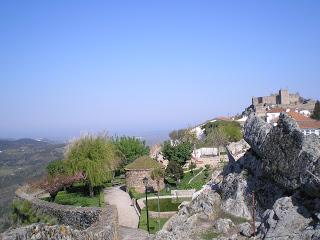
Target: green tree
(56, 168)
(231, 129)
(217, 138)
(131, 148)
(174, 172)
(192, 166)
(183, 135)
(157, 175)
(95, 156)
(316, 111)
(179, 153)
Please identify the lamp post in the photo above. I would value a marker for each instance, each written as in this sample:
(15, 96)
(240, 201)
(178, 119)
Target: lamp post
(145, 182)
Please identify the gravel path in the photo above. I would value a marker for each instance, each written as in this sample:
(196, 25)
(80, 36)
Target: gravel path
(128, 216)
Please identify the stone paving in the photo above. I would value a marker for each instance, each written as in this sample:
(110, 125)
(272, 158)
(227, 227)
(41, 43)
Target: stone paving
(133, 234)
(128, 216)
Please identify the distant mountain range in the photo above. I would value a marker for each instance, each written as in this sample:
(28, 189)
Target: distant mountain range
(22, 160)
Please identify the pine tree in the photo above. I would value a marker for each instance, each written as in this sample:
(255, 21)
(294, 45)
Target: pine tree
(316, 111)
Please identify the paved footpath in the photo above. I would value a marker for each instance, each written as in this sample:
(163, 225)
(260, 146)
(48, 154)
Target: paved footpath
(128, 216)
(133, 234)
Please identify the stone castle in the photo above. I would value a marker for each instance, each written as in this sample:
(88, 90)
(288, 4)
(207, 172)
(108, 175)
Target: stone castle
(283, 98)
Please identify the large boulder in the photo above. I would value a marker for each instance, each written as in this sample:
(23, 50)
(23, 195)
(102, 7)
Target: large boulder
(287, 220)
(289, 158)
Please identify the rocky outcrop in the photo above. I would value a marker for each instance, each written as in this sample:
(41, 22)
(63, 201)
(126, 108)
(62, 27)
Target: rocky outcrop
(289, 158)
(282, 171)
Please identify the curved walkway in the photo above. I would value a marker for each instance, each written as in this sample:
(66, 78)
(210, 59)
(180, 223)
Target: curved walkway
(128, 216)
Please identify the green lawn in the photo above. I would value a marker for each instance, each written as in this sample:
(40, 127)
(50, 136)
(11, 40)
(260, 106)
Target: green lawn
(166, 205)
(77, 196)
(197, 182)
(77, 199)
(153, 222)
(137, 195)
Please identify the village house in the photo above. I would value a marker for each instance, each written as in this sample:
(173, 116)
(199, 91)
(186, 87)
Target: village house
(272, 115)
(306, 124)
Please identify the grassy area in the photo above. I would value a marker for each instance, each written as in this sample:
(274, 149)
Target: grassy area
(77, 196)
(234, 219)
(23, 213)
(197, 182)
(209, 235)
(166, 205)
(153, 222)
(137, 195)
(77, 199)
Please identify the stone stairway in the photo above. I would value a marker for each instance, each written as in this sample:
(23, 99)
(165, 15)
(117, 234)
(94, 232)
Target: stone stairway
(127, 233)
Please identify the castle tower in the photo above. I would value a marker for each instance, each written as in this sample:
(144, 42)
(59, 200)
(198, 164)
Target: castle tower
(284, 97)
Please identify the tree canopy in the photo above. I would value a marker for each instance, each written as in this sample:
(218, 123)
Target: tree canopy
(316, 111)
(173, 172)
(157, 174)
(231, 129)
(131, 148)
(216, 138)
(183, 135)
(179, 153)
(95, 156)
(56, 168)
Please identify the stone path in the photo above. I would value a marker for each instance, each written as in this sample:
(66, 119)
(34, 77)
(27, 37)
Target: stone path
(196, 176)
(128, 216)
(133, 234)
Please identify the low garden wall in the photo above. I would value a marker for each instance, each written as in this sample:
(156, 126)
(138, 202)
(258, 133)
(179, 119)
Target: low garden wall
(153, 214)
(74, 222)
(182, 193)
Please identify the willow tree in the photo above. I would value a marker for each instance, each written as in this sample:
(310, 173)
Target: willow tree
(157, 175)
(95, 156)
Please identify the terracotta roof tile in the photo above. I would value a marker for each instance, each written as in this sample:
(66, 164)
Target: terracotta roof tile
(276, 110)
(303, 121)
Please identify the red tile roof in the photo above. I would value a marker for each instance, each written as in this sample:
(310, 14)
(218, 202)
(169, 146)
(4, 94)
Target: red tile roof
(276, 110)
(304, 122)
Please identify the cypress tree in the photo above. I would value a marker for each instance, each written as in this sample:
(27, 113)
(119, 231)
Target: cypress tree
(316, 111)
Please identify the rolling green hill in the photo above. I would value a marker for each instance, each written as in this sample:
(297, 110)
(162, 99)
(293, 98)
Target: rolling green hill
(21, 161)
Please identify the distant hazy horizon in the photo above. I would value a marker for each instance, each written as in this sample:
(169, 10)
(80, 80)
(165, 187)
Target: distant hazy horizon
(144, 68)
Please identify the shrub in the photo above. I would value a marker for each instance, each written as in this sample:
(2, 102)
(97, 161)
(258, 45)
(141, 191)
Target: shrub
(24, 214)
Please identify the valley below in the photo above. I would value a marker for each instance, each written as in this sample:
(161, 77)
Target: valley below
(21, 161)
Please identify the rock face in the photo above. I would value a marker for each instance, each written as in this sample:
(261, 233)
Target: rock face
(288, 157)
(281, 169)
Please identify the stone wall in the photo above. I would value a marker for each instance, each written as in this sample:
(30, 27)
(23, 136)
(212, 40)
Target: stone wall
(282, 98)
(289, 158)
(74, 222)
(153, 214)
(134, 179)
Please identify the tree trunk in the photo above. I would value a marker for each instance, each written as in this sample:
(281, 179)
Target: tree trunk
(91, 193)
(53, 196)
(158, 185)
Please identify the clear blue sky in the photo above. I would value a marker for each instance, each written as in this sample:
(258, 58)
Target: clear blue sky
(146, 67)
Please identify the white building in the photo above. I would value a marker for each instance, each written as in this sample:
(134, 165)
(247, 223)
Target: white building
(273, 114)
(306, 124)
